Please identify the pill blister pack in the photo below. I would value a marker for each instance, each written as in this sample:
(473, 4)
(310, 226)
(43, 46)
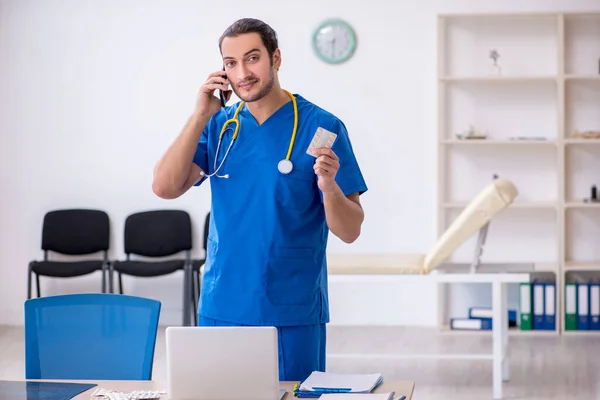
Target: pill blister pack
(107, 394)
(322, 138)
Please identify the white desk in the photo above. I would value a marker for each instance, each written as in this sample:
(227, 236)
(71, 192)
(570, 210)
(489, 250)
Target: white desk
(499, 281)
(401, 388)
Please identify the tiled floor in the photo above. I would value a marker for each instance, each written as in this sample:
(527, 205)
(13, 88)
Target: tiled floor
(542, 367)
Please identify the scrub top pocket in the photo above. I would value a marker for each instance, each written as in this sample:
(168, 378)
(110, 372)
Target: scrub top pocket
(297, 190)
(292, 276)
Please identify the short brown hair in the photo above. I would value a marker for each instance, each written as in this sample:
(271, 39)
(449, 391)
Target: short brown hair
(252, 25)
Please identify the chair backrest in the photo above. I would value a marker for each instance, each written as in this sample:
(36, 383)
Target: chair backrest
(488, 203)
(90, 336)
(76, 231)
(158, 233)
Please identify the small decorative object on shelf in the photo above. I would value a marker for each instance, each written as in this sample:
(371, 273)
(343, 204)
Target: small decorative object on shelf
(593, 195)
(536, 138)
(587, 134)
(495, 69)
(471, 134)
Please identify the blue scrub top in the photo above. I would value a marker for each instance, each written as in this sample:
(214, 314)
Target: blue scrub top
(266, 253)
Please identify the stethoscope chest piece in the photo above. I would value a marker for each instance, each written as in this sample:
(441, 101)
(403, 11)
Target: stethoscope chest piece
(285, 166)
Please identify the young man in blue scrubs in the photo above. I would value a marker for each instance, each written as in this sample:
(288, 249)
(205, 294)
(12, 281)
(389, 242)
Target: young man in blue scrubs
(266, 261)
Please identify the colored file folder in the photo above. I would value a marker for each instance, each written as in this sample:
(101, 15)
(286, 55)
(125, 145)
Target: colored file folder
(595, 306)
(486, 313)
(469, 324)
(570, 306)
(525, 306)
(549, 306)
(538, 306)
(583, 307)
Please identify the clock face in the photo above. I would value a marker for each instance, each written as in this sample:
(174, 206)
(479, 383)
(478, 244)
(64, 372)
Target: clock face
(334, 41)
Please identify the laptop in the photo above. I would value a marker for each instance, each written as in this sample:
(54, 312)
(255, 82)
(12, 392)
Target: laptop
(222, 363)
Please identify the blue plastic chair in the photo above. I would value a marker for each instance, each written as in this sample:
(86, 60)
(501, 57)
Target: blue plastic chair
(98, 336)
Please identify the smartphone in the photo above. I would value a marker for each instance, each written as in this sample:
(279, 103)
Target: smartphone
(221, 95)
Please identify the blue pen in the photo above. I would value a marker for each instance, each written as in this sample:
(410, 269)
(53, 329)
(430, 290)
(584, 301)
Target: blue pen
(331, 390)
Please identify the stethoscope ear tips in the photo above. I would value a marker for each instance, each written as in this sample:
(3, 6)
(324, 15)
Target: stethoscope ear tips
(226, 176)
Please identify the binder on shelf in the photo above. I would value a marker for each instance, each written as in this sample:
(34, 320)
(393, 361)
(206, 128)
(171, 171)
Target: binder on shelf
(538, 306)
(583, 306)
(525, 318)
(549, 306)
(470, 324)
(570, 306)
(595, 306)
(486, 313)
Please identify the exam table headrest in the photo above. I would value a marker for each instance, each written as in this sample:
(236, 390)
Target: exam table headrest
(493, 199)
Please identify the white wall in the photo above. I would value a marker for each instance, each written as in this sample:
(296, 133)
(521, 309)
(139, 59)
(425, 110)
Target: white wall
(92, 92)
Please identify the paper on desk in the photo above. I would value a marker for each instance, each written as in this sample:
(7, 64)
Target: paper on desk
(352, 383)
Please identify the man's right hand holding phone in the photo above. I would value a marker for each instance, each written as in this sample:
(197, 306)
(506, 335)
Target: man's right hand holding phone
(207, 104)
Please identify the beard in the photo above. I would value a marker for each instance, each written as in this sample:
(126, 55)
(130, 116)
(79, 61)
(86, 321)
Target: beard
(261, 93)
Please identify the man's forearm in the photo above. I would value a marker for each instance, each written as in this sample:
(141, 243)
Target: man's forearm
(172, 171)
(344, 216)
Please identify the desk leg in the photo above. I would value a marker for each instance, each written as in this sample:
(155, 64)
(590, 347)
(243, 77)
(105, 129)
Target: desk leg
(499, 335)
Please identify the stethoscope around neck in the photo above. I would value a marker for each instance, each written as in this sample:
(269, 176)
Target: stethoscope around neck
(284, 166)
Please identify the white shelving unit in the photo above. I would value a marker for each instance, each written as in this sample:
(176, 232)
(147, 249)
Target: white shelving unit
(547, 88)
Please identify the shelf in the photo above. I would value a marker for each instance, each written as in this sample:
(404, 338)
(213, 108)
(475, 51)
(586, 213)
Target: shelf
(582, 230)
(527, 45)
(582, 266)
(514, 109)
(582, 141)
(548, 89)
(582, 106)
(500, 79)
(470, 168)
(581, 333)
(534, 205)
(583, 78)
(581, 204)
(445, 330)
(480, 142)
(582, 171)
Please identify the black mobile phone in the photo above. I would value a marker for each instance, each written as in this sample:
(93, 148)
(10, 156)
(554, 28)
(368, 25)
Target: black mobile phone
(221, 95)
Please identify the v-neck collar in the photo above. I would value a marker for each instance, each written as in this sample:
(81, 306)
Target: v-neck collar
(247, 114)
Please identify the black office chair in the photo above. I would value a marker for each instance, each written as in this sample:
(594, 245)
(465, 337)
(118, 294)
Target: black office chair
(72, 232)
(154, 234)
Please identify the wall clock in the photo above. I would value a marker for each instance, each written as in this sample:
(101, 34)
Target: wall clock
(334, 41)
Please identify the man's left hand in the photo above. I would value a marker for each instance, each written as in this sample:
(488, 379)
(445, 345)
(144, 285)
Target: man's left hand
(326, 168)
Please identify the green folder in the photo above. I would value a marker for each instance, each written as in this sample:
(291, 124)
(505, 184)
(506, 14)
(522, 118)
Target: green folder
(525, 306)
(570, 306)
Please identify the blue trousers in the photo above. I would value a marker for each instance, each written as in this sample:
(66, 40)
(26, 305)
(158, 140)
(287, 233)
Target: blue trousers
(301, 348)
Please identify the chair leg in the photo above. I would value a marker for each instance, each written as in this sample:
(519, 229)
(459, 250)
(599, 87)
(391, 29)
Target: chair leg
(194, 301)
(29, 283)
(111, 288)
(186, 294)
(37, 279)
(104, 279)
(120, 283)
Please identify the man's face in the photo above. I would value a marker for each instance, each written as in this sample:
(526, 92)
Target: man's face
(248, 66)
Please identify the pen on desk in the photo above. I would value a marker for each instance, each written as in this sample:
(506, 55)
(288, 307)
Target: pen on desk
(402, 398)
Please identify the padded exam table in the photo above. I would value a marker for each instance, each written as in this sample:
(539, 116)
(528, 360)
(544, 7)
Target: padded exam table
(408, 268)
